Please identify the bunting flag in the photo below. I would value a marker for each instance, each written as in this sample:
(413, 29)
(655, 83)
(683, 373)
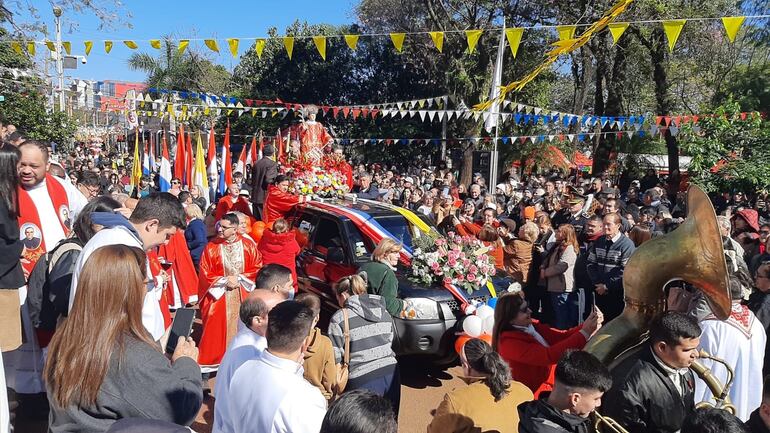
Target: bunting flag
(232, 44)
(17, 47)
(673, 29)
(183, 43)
(226, 172)
(616, 30)
(88, 46)
(212, 156)
(155, 43)
(164, 178)
(67, 47)
(212, 45)
(566, 32)
(107, 46)
(51, 46)
(472, 36)
(438, 40)
(31, 48)
(131, 44)
(320, 44)
(288, 43)
(398, 40)
(199, 177)
(514, 39)
(352, 41)
(259, 47)
(732, 25)
(180, 159)
(136, 171)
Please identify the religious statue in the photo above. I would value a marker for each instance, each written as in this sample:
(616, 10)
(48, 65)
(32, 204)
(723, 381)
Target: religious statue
(313, 136)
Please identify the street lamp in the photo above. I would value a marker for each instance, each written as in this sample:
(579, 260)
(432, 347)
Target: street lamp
(57, 12)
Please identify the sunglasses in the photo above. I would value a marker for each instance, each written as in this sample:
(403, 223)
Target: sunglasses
(175, 182)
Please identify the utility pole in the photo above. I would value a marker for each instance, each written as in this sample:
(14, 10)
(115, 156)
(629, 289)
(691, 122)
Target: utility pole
(57, 11)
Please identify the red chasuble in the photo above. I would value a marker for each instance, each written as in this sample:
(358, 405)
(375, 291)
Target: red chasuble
(29, 220)
(219, 309)
(278, 204)
(182, 269)
(228, 204)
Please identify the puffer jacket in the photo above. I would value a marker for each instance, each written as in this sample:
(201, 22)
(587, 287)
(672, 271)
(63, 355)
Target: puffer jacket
(518, 259)
(281, 249)
(538, 416)
(643, 399)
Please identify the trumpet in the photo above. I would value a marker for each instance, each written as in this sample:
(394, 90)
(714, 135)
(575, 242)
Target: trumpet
(611, 424)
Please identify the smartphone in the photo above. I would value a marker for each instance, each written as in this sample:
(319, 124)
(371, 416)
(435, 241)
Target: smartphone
(180, 327)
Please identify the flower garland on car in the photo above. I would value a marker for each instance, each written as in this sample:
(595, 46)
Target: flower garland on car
(324, 181)
(456, 260)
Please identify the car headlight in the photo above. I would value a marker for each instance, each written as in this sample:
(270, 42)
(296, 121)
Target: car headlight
(420, 309)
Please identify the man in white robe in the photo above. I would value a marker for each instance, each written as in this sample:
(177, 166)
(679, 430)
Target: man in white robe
(247, 344)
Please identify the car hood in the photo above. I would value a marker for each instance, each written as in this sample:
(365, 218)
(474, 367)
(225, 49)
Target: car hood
(409, 289)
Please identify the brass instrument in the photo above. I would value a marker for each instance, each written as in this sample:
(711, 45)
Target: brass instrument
(693, 252)
(719, 391)
(609, 423)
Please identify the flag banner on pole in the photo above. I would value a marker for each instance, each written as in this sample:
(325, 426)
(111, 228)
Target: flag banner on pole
(164, 178)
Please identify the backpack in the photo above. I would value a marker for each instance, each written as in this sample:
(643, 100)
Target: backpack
(48, 288)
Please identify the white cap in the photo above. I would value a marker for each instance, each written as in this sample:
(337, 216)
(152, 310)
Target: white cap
(409, 179)
(500, 186)
(244, 192)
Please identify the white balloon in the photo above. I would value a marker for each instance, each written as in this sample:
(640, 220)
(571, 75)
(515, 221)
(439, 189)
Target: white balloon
(488, 325)
(472, 325)
(485, 311)
(470, 309)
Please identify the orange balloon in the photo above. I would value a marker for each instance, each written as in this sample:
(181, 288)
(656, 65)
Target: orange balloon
(486, 337)
(460, 342)
(257, 230)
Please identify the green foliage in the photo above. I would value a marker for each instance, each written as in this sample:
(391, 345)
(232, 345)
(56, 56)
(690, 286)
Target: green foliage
(749, 86)
(730, 152)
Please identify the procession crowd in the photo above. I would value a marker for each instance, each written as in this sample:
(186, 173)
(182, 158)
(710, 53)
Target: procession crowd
(101, 269)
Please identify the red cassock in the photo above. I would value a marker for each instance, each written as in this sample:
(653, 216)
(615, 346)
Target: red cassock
(277, 204)
(220, 316)
(182, 270)
(228, 204)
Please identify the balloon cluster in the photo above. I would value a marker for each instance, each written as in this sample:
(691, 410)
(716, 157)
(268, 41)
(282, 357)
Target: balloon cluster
(479, 323)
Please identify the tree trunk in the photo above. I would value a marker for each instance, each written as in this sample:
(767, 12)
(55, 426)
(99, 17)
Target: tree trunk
(604, 146)
(665, 105)
(613, 105)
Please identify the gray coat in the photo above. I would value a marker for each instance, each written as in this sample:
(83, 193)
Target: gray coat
(145, 384)
(560, 270)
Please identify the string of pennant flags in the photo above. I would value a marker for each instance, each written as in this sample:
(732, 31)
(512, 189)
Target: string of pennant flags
(672, 28)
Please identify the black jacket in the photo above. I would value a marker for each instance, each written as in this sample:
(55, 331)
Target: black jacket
(540, 417)
(755, 424)
(643, 399)
(263, 174)
(371, 193)
(759, 304)
(11, 274)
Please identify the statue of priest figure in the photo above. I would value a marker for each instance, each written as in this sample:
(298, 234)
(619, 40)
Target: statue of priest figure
(313, 136)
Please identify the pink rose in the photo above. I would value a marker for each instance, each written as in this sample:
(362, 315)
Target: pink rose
(447, 281)
(460, 277)
(435, 266)
(452, 262)
(466, 263)
(471, 277)
(473, 269)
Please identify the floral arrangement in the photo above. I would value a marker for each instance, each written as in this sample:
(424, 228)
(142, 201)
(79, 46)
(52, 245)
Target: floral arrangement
(457, 260)
(308, 180)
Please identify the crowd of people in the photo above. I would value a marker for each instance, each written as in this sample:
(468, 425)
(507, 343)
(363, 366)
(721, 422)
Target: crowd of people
(100, 269)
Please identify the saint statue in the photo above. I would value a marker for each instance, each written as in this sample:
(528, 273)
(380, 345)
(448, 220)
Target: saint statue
(313, 136)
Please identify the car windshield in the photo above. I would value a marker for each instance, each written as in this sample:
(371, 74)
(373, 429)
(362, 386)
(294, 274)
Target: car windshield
(396, 225)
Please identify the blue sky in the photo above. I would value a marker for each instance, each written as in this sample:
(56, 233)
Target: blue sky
(218, 19)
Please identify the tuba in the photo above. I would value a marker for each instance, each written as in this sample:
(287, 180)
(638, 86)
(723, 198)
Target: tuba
(693, 252)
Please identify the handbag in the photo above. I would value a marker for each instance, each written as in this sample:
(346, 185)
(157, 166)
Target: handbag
(342, 369)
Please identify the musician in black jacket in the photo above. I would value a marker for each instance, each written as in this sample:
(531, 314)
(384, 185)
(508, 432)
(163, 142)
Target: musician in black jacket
(653, 388)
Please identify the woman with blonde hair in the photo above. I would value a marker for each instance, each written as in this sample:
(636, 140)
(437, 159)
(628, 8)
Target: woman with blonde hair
(102, 363)
(382, 276)
(362, 317)
(195, 233)
(558, 270)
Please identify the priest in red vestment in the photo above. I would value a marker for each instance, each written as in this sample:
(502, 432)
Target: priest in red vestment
(183, 280)
(337, 162)
(228, 269)
(279, 200)
(233, 201)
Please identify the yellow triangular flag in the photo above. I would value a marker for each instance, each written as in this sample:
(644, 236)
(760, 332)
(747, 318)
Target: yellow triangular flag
(131, 44)
(232, 43)
(259, 46)
(67, 47)
(673, 28)
(617, 29)
(31, 48)
(88, 46)
(212, 44)
(320, 44)
(352, 41)
(473, 38)
(566, 32)
(17, 47)
(514, 39)
(51, 46)
(438, 40)
(155, 43)
(183, 43)
(732, 25)
(107, 46)
(288, 43)
(398, 40)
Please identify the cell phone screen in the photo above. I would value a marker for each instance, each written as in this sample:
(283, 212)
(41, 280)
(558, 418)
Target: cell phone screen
(181, 327)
